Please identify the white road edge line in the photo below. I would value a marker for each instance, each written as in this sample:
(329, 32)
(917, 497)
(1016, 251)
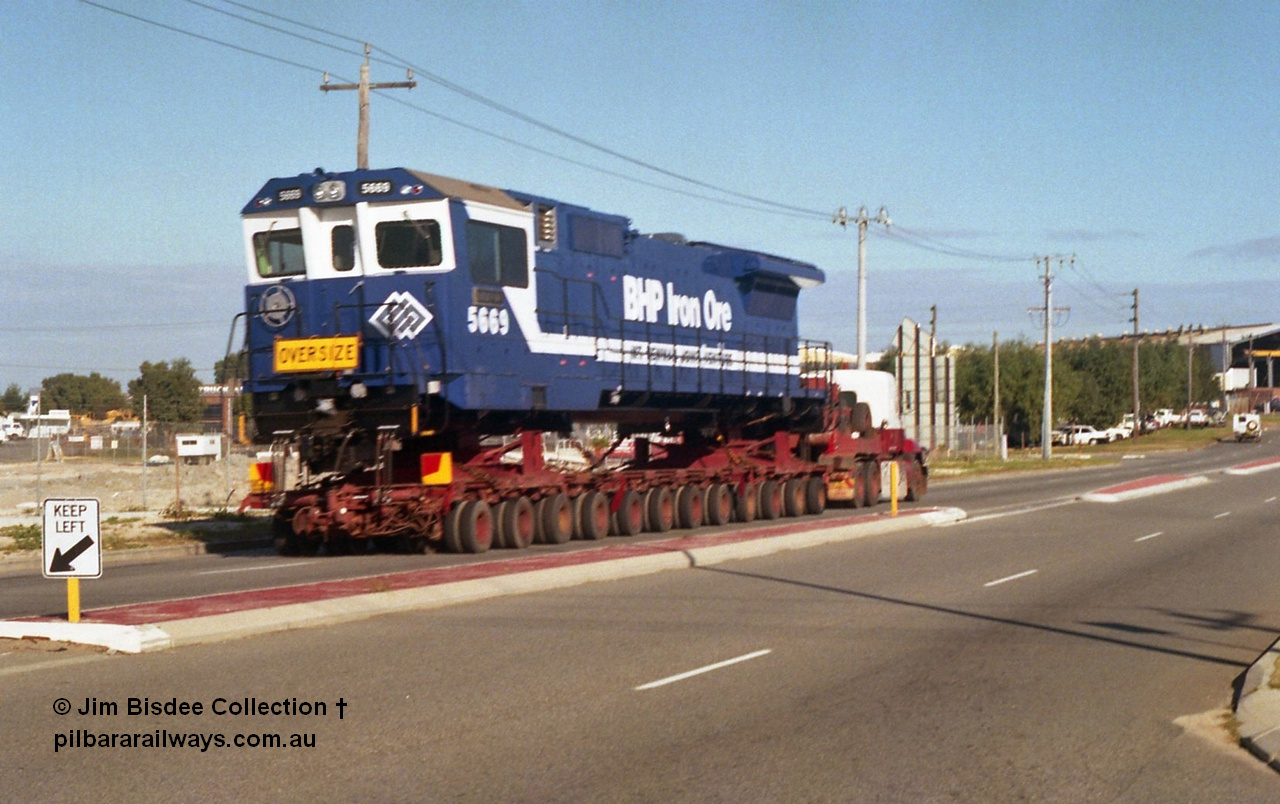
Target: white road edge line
(256, 568)
(1030, 509)
(682, 676)
(1149, 536)
(1221, 515)
(1010, 578)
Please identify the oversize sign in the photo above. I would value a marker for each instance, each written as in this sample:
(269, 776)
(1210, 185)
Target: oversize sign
(317, 354)
(72, 539)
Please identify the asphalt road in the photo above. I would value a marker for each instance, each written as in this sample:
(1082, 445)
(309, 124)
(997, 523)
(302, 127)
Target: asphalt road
(1049, 650)
(27, 593)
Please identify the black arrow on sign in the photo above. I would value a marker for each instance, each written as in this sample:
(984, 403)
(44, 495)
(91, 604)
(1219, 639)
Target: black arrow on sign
(62, 562)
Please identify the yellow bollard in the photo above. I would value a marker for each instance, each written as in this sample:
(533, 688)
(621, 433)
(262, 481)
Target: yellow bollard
(893, 488)
(73, 600)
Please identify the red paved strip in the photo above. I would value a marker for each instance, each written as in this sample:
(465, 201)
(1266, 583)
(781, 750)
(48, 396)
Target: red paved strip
(181, 609)
(1258, 463)
(1142, 483)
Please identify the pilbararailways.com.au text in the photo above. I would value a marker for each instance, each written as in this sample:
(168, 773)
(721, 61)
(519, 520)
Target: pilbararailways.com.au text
(91, 738)
(163, 738)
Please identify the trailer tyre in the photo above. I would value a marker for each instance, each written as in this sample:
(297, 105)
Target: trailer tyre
(475, 527)
(593, 516)
(815, 495)
(746, 502)
(719, 505)
(449, 534)
(628, 520)
(691, 506)
(556, 518)
(793, 497)
(660, 510)
(516, 523)
(770, 499)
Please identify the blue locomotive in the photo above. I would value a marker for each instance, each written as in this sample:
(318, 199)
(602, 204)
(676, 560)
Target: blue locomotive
(442, 311)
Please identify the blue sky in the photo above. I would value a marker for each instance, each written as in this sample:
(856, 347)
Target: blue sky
(1140, 137)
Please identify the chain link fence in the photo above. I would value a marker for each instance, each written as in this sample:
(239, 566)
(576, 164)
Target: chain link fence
(178, 467)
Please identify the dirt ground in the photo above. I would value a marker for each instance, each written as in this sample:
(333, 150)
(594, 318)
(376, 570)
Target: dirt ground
(138, 507)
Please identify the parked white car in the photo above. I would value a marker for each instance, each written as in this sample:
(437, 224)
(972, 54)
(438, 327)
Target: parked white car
(1079, 434)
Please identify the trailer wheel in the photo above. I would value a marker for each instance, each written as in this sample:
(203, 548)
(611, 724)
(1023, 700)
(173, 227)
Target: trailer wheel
(691, 506)
(449, 534)
(719, 505)
(660, 508)
(515, 523)
(917, 481)
(593, 516)
(793, 497)
(870, 483)
(475, 527)
(815, 495)
(746, 502)
(628, 520)
(556, 517)
(770, 499)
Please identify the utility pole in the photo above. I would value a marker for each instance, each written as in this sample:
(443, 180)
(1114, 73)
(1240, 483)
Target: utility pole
(842, 218)
(1046, 424)
(362, 136)
(1137, 419)
(933, 377)
(995, 355)
(1191, 350)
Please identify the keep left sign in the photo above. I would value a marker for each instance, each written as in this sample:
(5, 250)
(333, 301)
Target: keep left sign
(72, 539)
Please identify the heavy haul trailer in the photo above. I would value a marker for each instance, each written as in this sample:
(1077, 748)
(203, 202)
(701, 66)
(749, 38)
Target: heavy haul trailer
(398, 324)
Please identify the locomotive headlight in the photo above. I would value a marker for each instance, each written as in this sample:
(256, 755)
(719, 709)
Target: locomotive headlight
(359, 390)
(327, 192)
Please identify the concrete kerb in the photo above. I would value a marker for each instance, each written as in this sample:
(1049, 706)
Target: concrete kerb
(253, 622)
(1257, 709)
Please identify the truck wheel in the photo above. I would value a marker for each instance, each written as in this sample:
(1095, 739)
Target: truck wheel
(517, 523)
(746, 502)
(870, 483)
(719, 505)
(628, 520)
(691, 506)
(793, 497)
(556, 518)
(917, 481)
(593, 516)
(815, 495)
(770, 499)
(475, 527)
(449, 536)
(660, 508)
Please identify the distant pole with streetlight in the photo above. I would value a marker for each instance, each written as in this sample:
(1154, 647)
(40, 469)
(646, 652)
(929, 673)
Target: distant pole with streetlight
(841, 217)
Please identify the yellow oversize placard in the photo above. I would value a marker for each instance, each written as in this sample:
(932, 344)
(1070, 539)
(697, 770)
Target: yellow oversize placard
(317, 354)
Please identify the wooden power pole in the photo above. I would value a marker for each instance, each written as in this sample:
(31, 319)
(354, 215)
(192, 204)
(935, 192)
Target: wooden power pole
(362, 137)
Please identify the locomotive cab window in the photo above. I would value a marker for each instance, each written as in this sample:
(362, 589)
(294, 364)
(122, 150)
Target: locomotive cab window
(497, 255)
(343, 242)
(279, 253)
(408, 244)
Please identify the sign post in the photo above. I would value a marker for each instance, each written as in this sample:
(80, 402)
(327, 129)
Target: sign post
(72, 540)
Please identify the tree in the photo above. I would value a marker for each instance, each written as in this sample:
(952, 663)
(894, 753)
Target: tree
(172, 392)
(232, 368)
(14, 399)
(93, 394)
